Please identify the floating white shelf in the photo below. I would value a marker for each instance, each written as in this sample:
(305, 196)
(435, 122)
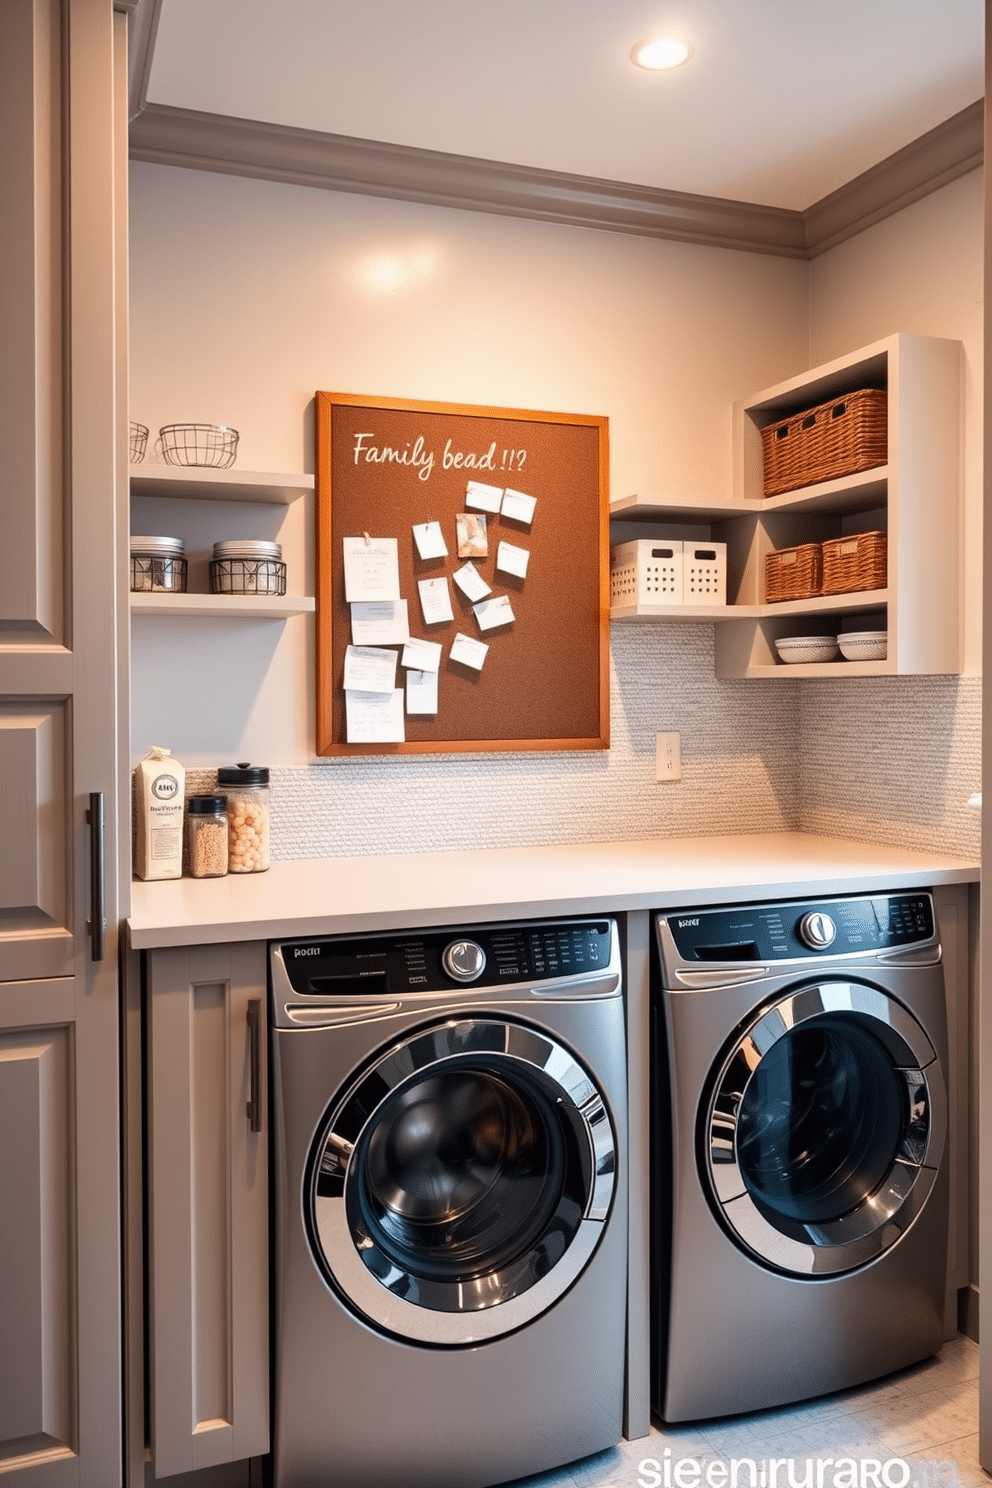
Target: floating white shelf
(851, 493)
(680, 509)
(823, 604)
(835, 669)
(223, 606)
(702, 614)
(200, 483)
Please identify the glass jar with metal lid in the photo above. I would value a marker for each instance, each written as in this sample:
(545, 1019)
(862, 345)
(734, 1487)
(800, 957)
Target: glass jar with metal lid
(206, 836)
(158, 565)
(247, 791)
(247, 566)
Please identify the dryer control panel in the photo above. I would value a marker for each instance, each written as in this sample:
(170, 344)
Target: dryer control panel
(439, 960)
(803, 930)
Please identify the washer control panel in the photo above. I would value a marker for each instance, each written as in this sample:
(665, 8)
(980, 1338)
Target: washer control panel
(436, 960)
(803, 930)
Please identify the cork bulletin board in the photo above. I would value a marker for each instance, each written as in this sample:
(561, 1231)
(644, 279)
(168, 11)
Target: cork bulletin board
(386, 467)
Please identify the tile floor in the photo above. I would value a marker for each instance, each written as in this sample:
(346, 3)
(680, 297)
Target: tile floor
(925, 1417)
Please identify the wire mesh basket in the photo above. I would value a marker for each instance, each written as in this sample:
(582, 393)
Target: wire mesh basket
(212, 445)
(247, 576)
(137, 441)
(158, 565)
(247, 566)
(157, 575)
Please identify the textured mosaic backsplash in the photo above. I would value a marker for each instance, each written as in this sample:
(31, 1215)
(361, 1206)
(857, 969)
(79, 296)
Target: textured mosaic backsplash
(893, 759)
(880, 759)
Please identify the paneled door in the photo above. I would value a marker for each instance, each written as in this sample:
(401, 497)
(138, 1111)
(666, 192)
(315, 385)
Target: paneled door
(62, 462)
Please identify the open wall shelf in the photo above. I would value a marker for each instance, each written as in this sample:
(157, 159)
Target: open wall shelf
(915, 497)
(197, 483)
(172, 481)
(223, 606)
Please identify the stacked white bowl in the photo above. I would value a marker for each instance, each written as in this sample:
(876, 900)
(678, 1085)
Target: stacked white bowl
(864, 645)
(793, 649)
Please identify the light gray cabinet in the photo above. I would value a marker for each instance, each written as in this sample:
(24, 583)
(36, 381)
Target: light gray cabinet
(207, 1185)
(62, 308)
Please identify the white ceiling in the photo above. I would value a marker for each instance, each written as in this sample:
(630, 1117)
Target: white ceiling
(783, 101)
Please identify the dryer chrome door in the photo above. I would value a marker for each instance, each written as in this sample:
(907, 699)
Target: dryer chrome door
(824, 1128)
(461, 1184)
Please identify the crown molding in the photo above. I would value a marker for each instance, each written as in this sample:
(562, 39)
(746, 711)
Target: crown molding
(335, 162)
(940, 156)
(142, 27)
(164, 135)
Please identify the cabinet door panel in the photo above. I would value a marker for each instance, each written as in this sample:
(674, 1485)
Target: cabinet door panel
(35, 1359)
(39, 1387)
(32, 556)
(34, 892)
(208, 1211)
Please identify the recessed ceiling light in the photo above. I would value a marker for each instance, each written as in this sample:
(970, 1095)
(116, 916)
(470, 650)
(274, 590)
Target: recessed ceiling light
(660, 55)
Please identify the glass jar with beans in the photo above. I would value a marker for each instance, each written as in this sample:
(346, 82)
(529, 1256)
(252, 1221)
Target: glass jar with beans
(247, 790)
(206, 835)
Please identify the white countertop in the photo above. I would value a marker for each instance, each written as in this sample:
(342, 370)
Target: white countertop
(416, 890)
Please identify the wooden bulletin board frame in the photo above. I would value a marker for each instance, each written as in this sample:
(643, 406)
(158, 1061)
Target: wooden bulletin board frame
(545, 682)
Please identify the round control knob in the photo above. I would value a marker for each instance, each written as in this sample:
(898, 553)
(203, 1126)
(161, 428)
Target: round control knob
(464, 960)
(817, 930)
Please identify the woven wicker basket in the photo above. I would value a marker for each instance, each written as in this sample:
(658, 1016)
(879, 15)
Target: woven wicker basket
(834, 439)
(793, 573)
(852, 563)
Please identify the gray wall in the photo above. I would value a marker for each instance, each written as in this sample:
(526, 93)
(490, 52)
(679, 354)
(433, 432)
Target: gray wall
(248, 296)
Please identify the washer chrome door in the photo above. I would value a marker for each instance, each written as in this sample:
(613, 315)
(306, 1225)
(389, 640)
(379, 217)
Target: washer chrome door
(825, 1129)
(462, 1183)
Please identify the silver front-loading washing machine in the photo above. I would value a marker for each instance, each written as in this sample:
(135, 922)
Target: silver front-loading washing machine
(449, 1119)
(800, 1199)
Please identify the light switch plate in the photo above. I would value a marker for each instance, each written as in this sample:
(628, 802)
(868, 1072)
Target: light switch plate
(669, 758)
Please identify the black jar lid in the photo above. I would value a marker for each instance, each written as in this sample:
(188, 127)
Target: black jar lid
(242, 774)
(206, 805)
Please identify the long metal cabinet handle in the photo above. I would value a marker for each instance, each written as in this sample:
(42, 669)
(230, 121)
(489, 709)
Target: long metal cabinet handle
(97, 892)
(253, 1109)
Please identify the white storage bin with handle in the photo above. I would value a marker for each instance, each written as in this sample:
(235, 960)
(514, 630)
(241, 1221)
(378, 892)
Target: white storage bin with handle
(704, 573)
(647, 571)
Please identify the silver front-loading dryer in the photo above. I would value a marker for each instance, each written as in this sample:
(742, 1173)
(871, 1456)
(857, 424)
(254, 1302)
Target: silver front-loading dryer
(800, 1200)
(449, 1116)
